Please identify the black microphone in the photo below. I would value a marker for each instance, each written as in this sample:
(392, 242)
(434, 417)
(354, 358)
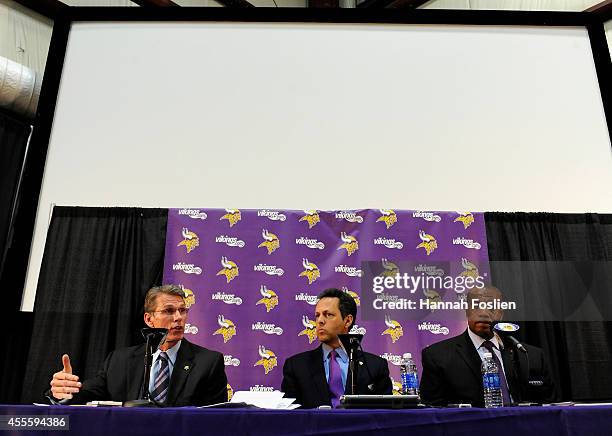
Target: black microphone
(350, 341)
(516, 343)
(155, 337)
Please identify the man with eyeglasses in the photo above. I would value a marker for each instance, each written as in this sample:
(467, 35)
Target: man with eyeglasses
(182, 373)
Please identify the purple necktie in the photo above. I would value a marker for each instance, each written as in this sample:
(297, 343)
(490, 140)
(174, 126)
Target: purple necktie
(502, 377)
(336, 389)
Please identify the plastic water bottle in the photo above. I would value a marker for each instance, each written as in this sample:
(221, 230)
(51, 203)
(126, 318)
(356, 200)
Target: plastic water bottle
(410, 378)
(491, 382)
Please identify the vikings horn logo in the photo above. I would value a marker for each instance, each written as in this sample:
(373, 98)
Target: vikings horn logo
(466, 218)
(311, 217)
(190, 240)
(388, 217)
(268, 359)
(432, 296)
(229, 270)
(390, 269)
(232, 216)
(270, 299)
(353, 295)
(470, 270)
(311, 271)
(397, 387)
(226, 328)
(189, 297)
(271, 241)
(394, 329)
(349, 243)
(310, 329)
(230, 392)
(429, 243)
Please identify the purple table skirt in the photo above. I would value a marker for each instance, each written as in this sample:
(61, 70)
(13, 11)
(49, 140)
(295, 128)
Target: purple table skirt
(512, 421)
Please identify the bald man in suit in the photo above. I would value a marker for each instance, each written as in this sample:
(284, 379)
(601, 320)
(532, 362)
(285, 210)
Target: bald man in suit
(451, 368)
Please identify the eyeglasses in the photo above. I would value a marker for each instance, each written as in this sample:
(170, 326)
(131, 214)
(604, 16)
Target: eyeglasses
(169, 312)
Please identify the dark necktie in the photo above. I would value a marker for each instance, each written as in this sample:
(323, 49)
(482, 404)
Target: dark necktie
(336, 389)
(162, 380)
(502, 377)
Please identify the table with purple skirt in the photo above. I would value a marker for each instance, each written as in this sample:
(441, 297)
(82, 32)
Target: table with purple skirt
(511, 421)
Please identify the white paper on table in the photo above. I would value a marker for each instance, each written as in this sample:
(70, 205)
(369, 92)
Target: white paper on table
(265, 400)
(284, 403)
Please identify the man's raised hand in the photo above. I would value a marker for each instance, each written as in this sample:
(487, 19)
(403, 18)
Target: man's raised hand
(64, 384)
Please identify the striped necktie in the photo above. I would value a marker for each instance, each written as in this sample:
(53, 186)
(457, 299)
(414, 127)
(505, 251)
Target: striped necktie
(162, 380)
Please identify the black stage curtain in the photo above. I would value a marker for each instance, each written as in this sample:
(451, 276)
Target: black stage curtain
(580, 353)
(98, 265)
(13, 143)
(16, 342)
(18, 326)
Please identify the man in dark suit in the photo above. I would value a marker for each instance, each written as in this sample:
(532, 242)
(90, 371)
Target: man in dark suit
(182, 373)
(320, 376)
(451, 368)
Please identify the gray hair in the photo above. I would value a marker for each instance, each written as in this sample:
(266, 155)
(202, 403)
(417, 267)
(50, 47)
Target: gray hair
(150, 301)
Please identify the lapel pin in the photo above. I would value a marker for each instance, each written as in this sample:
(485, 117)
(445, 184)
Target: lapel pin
(186, 368)
(360, 362)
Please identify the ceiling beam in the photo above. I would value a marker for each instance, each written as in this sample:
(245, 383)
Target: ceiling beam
(47, 8)
(154, 3)
(391, 4)
(235, 3)
(406, 4)
(165, 3)
(603, 9)
(323, 3)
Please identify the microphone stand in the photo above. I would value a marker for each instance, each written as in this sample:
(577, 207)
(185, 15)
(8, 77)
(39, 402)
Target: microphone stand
(505, 330)
(351, 342)
(151, 335)
(518, 358)
(353, 369)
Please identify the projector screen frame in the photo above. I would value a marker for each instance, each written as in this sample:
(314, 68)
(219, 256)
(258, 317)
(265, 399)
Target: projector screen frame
(13, 272)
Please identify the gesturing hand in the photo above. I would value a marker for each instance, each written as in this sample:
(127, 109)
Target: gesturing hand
(64, 383)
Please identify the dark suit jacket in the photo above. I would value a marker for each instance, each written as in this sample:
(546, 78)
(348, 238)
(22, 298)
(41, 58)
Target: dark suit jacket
(198, 377)
(304, 377)
(451, 374)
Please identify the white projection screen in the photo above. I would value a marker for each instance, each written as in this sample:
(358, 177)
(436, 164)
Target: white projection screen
(326, 116)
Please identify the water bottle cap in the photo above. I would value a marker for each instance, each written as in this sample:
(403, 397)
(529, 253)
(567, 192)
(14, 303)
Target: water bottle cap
(407, 356)
(488, 355)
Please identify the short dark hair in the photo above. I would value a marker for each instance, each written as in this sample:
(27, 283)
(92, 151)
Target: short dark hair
(486, 289)
(151, 298)
(346, 303)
